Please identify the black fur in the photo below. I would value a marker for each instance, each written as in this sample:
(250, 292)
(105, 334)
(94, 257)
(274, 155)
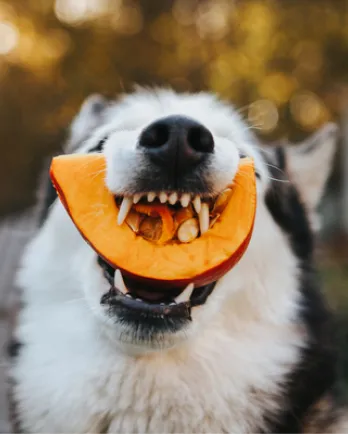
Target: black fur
(99, 146)
(316, 373)
(280, 155)
(284, 204)
(49, 198)
(13, 348)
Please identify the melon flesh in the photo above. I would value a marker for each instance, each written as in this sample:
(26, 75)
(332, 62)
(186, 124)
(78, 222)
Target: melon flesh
(80, 183)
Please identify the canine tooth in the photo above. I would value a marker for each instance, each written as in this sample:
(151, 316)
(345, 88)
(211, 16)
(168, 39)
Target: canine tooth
(151, 196)
(163, 197)
(185, 200)
(204, 218)
(125, 207)
(137, 197)
(197, 204)
(119, 283)
(138, 299)
(186, 294)
(173, 198)
(128, 295)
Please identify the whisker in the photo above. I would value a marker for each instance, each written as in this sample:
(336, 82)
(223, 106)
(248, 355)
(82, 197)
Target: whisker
(275, 167)
(278, 180)
(243, 109)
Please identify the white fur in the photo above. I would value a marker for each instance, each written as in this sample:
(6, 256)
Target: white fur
(78, 372)
(125, 121)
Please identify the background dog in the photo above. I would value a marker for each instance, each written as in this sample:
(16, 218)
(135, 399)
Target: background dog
(259, 354)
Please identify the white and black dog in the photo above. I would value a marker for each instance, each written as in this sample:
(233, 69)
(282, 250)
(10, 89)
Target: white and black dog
(258, 353)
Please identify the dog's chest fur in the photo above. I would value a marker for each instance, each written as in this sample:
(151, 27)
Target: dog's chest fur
(218, 385)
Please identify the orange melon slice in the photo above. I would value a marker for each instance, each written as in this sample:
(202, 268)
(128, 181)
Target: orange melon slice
(80, 183)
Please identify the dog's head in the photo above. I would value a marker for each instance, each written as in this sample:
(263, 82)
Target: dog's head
(181, 148)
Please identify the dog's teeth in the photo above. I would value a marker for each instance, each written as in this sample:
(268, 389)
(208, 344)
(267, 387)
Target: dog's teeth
(125, 207)
(197, 204)
(119, 283)
(203, 217)
(186, 294)
(137, 197)
(185, 200)
(173, 198)
(163, 197)
(128, 295)
(151, 196)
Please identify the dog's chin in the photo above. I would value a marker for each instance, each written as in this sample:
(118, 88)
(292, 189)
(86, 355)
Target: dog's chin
(146, 318)
(132, 341)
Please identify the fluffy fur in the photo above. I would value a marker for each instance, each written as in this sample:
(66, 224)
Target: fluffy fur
(257, 356)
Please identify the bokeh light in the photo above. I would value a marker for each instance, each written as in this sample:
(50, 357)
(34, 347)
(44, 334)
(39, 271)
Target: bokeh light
(78, 11)
(9, 37)
(277, 87)
(126, 19)
(308, 110)
(263, 115)
(184, 11)
(213, 18)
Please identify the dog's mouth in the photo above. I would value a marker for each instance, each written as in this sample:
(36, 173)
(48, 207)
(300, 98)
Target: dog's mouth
(161, 218)
(144, 300)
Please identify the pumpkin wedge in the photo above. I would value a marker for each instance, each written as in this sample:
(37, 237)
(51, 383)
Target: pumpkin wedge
(80, 183)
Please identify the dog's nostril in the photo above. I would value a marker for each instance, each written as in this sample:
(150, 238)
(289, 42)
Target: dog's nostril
(200, 139)
(154, 136)
(177, 144)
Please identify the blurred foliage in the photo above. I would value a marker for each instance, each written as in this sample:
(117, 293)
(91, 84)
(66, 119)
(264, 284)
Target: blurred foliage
(285, 63)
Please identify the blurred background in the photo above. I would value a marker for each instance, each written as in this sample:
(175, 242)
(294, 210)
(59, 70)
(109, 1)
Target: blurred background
(283, 63)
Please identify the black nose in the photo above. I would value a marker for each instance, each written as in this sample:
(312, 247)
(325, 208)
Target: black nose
(177, 143)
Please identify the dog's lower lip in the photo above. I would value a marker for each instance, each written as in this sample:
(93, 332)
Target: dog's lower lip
(116, 298)
(156, 305)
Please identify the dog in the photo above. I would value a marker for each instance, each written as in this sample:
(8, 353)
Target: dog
(258, 354)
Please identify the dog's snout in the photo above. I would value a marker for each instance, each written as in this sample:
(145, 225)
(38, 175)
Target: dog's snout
(177, 142)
